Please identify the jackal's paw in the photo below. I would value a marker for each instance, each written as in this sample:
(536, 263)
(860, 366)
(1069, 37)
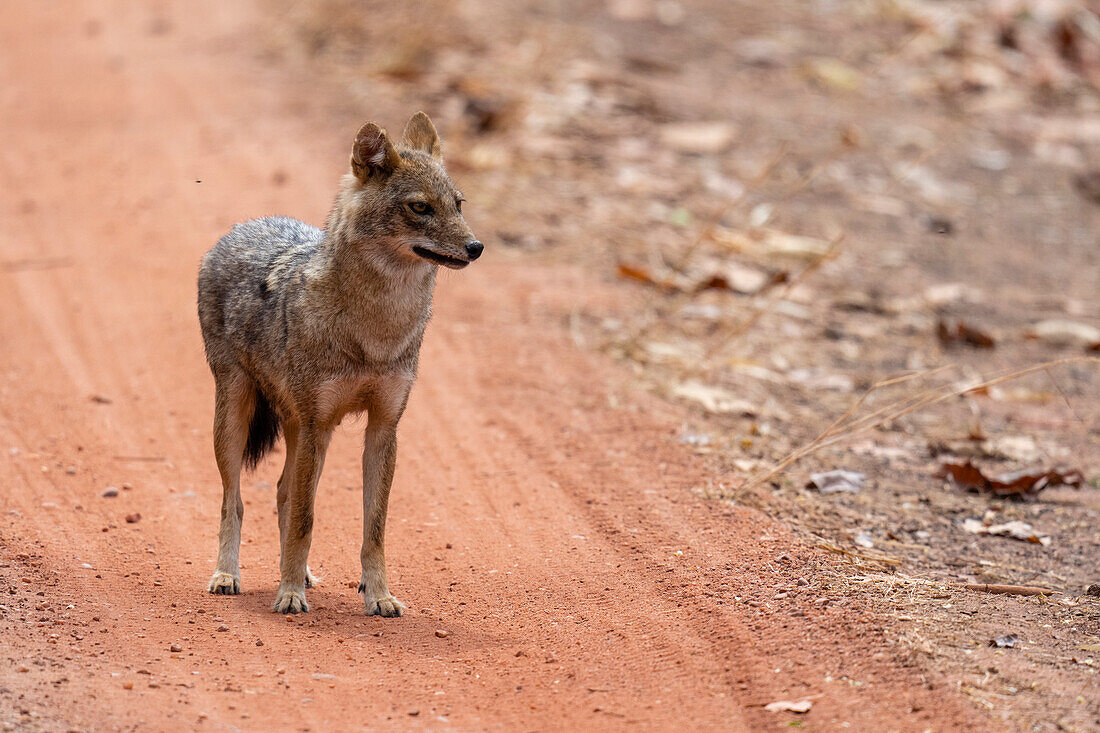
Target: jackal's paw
(311, 579)
(290, 601)
(224, 584)
(386, 606)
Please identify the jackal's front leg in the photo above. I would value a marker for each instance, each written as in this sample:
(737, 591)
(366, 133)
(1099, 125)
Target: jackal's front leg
(309, 458)
(379, 459)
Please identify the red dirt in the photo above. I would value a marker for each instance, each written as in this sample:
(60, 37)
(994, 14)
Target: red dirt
(542, 514)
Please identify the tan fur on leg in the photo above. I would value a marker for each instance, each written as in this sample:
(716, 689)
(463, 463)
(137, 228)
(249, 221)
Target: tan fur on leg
(309, 459)
(379, 461)
(233, 404)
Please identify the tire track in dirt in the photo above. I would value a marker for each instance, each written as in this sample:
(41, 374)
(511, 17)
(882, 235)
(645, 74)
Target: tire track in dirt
(531, 520)
(548, 520)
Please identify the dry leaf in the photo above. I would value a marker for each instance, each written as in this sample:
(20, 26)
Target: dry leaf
(1059, 332)
(738, 279)
(642, 275)
(784, 706)
(1013, 447)
(832, 482)
(1016, 529)
(832, 73)
(962, 333)
(702, 138)
(773, 243)
(1019, 484)
(714, 399)
(942, 294)
(730, 276)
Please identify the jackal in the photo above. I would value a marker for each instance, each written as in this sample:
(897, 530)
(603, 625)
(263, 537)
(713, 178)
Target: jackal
(303, 326)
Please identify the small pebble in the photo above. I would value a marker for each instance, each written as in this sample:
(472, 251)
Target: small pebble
(110, 492)
(223, 627)
(127, 685)
(133, 518)
(175, 648)
(442, 633)
(259, 642)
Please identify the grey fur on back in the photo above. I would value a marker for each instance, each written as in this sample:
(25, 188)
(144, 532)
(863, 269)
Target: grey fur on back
(246, 290)
(240, 312)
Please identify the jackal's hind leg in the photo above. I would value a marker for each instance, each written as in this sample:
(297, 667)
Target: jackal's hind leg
(233, 404)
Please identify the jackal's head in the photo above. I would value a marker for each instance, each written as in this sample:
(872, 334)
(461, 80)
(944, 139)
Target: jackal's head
(400, 200)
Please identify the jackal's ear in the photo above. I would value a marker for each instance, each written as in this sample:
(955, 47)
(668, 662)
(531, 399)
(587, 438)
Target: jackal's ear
(373, 153)
(420, 135)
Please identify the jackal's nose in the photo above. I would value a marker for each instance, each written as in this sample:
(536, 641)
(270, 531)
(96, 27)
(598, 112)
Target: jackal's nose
(474, 249)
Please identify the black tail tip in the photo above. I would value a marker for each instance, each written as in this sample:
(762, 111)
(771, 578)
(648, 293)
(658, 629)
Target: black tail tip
(263, 431)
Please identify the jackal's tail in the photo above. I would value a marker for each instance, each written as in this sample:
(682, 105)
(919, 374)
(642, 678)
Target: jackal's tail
(263, 431)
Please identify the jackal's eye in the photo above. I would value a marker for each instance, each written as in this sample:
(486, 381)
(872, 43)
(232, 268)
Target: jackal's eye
(419, 207)
(458, 204)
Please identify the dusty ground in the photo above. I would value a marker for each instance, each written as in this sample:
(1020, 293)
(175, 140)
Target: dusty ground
(863, 173)
(590, 547)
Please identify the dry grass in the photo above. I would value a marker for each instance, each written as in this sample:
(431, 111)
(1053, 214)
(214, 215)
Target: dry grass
(848, 425)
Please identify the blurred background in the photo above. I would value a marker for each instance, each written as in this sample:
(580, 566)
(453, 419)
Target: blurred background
(798, 199)
(793, 202)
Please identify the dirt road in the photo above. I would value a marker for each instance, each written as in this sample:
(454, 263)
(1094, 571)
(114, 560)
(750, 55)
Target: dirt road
(542, 515)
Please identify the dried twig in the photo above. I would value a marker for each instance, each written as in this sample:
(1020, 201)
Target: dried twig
(883, 559)
(1009, 590)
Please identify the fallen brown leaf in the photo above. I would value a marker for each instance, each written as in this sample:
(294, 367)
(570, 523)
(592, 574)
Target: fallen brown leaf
(1017, 485)
(960, 333)
(742, 280)
(642, 275)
